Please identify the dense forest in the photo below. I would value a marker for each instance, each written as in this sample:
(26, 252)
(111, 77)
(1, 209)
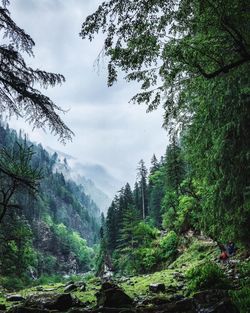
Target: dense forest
(179, 239)
(51, 232)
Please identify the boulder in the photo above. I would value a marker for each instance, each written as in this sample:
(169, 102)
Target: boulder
(69, 283)
(80, 283)
(83, 288)
(14, 298)
(2, 307)
(177, 297)
(208, 297)
(70, 288)
(215, 301)
(157, 287)
(27, 310)
(61, 302)
(223, 306)
(112, 296)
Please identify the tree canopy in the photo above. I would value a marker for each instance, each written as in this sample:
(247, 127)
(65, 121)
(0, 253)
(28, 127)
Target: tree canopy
(18, 92)
(164, 44)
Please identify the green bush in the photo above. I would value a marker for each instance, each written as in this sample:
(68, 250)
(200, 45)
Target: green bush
(241, 298)
(244, 269)
(168, 246)
(47, 279)
(13, 283)
(206, 276)
(145, 259)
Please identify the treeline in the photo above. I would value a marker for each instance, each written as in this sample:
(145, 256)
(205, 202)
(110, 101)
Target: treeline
(144, 224)
(51, 232)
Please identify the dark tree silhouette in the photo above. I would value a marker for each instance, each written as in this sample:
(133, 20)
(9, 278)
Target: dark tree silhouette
(16, 175)
(18, 95)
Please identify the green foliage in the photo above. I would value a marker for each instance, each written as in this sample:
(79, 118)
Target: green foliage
(205, 95)
(169, 207)
(145, 233)
(168, 245)
(72, 242)
(13, 283)
(16, 175)
(145, 259)
(244, 269)
(17, 251)
(241, 298)
(206, 276)
(23, 250)
(185, 215)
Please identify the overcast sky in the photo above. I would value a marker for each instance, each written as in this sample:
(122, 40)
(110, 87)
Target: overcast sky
(108, 130)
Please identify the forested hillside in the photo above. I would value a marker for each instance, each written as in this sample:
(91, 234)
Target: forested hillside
(145, 224)
(52, 232)
(71, 173)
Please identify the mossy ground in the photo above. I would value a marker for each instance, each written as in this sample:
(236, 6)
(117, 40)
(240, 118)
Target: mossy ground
(198, 251)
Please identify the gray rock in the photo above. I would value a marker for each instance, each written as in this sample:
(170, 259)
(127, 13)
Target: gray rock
(80, 283)
(70, 283)
(70, 288)
(225, 305)
(27, 310)
(83, 288)
(111, 296)
(61, 302)
(157, 287)
(177, 298)
(14, 298)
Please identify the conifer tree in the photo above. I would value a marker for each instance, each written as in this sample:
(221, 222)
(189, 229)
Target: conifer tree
(16, 175)
(18, 96)
(142, 183)
(156, 189)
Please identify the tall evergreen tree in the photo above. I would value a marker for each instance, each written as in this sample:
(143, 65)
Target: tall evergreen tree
(16, 175)
(142, 183)
(174, 166)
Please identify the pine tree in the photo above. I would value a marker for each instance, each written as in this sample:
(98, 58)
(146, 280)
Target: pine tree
(17, 93)
(111, 227)
(174, 166)
(142, 183)
(154, 164)
(16, 175)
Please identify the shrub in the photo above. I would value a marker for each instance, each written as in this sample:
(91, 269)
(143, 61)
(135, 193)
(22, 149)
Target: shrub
(168, 246)
(47, 279)
(206, 276)
(145, 259)
(241, 298)
(14, 283)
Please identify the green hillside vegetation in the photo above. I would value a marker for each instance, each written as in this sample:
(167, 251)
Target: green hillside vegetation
(52, 231)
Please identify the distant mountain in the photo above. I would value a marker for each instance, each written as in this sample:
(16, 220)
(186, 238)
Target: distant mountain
(73, 173)
(100, 176)
(100, 198)
(95, 178)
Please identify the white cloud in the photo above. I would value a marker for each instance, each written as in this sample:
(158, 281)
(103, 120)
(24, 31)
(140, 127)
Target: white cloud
(109, 131)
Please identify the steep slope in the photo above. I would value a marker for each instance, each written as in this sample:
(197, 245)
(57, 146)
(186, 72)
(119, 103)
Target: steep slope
(52, 232)
(63, 165)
